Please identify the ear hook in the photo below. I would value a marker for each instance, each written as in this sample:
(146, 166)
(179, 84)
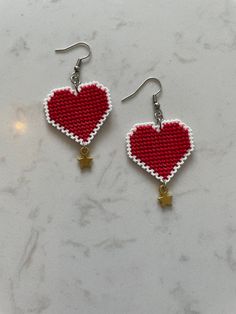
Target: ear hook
(75, 77)
(157, 110)
(155, 96)
(80, 43)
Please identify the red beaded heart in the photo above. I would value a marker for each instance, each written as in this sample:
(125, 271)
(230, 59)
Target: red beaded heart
(78, 114)
(161, 152)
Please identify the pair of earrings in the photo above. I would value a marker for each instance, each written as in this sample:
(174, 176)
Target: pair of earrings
(159, 147)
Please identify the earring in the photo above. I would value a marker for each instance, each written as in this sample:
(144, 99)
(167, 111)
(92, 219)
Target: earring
(161, 147)
(80, 112)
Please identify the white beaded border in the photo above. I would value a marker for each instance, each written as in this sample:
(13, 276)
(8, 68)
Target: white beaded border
(146, 167)
(67, 132)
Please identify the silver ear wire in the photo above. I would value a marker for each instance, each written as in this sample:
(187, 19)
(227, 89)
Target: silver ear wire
(75, 77)
(157, 110)
(155, 96)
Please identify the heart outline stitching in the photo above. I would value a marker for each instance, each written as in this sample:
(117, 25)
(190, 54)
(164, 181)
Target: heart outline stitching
(66, 131)
(157, 128)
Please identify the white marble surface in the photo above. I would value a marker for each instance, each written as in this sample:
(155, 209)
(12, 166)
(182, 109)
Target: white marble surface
(97, 242)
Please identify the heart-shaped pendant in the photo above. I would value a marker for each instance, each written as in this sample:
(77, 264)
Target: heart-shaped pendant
(159, 148)
(160, 151)
(78, 114)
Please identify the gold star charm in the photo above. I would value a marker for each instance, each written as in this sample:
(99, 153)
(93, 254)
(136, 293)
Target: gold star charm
(84, 159)
(165, 199)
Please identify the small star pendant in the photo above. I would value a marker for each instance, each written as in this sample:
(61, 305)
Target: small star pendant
(165, 199)
(84, 159)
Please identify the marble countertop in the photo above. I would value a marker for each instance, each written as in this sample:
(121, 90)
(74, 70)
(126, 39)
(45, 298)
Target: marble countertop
(97, 242)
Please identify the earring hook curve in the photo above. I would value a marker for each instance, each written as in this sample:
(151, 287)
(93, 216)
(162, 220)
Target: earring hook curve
(75, 76)
(80, 43)
(155, 96)
(157, 110)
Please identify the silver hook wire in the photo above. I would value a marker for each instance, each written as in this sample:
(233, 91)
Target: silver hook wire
(80, 43)
(157, 110)
(155, 96)
(75, 77)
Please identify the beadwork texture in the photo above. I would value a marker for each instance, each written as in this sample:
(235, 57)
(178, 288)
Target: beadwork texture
(160, 152)
(78, 114)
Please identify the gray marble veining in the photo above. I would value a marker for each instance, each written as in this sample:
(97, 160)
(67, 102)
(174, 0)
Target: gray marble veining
(96, 242)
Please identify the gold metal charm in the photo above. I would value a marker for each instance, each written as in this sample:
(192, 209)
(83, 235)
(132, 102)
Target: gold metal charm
(165, 199)
(84, 159)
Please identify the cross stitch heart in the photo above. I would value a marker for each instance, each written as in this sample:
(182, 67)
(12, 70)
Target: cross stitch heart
(160, 152)
(78, 114)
